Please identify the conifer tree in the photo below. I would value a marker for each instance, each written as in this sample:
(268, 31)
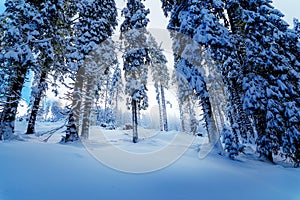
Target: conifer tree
(267, 53)
(160, 76)
(199, 22)
(19, 23)
(96, 22)
(55, 25)
(136, 58)
(116, 91)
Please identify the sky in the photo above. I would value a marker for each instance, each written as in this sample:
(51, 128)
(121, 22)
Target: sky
(290, 8)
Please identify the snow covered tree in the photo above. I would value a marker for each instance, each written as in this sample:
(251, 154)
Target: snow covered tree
(231, 142)
(258, 57)
(136, 58)
(297, 26)
(160, 77)
(196, 86)
(19, 29)
(106, 62)
(216, 89)
(200, 26)
(96, 22)
(184, 95)
(268, 53)
(49, 47)
(116, 91)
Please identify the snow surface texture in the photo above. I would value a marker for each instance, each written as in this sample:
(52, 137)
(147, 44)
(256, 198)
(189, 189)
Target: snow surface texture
(31, 169)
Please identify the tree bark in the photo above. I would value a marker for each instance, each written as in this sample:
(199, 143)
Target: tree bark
(74, 114)
(87, 108)
(182, 123)
(212, 131)
(164, 109)
(106, 99)
(134, 121)
(116, 108)
(159, 107)
(8, 115)
(260, 124)
(36, 103)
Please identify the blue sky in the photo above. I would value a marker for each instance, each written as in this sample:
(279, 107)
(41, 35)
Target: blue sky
(1, 6)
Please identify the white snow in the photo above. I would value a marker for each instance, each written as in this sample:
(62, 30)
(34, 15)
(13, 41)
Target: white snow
(32, 169)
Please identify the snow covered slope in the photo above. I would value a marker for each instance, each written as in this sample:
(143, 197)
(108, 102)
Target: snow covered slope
(35, 170)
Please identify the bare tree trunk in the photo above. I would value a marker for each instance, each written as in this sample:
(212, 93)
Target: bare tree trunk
(214, 136)
(8, 115)
(87, 108)
(36, 103)
(159, 107)
(218, 114)
(164, 109)
(106, 100)
(74, 114)
(193, 120)
(134, 121)
(182, 124)
(189, 107)
(116, 108)
(212, 131)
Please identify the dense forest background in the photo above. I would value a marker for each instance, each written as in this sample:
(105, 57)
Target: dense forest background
(236, 70)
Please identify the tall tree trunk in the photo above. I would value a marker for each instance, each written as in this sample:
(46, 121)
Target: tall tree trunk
(218, 117)
(8, 115)
(212, 131)
(181, 116)
(87, 107)
(159, 107)
(134, 121)
(164, 109)
(74, 114)
(241, 118)
(106, 100)
(260, 124)
(116, 108)
(245, 128)
(193, 120)
(36, 103)
(190, 113)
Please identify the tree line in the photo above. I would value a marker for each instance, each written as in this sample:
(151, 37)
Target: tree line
(252, 56)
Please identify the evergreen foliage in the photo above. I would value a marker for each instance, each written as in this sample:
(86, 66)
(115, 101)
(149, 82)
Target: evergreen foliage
(19, 26)
(136, 58)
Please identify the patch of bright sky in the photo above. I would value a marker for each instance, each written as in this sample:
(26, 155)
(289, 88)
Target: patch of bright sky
(2, 6)
(290, 8)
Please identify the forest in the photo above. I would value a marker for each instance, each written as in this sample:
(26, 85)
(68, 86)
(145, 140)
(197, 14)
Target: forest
(235, 73)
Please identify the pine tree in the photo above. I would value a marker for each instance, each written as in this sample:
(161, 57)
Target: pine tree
(106, 62)
(199, 24)
(297, 27)
(160, 76)
(216, 89)
(19, 25)
(231, 141)
(267, 52)
(116, 92)
(184, 95)
(49, 49)
(136, 58)
(96, 22)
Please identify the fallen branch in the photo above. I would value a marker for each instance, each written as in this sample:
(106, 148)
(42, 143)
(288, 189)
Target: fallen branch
(51, 132)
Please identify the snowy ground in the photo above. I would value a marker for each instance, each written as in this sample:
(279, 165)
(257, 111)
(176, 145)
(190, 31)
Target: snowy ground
(32, 169)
